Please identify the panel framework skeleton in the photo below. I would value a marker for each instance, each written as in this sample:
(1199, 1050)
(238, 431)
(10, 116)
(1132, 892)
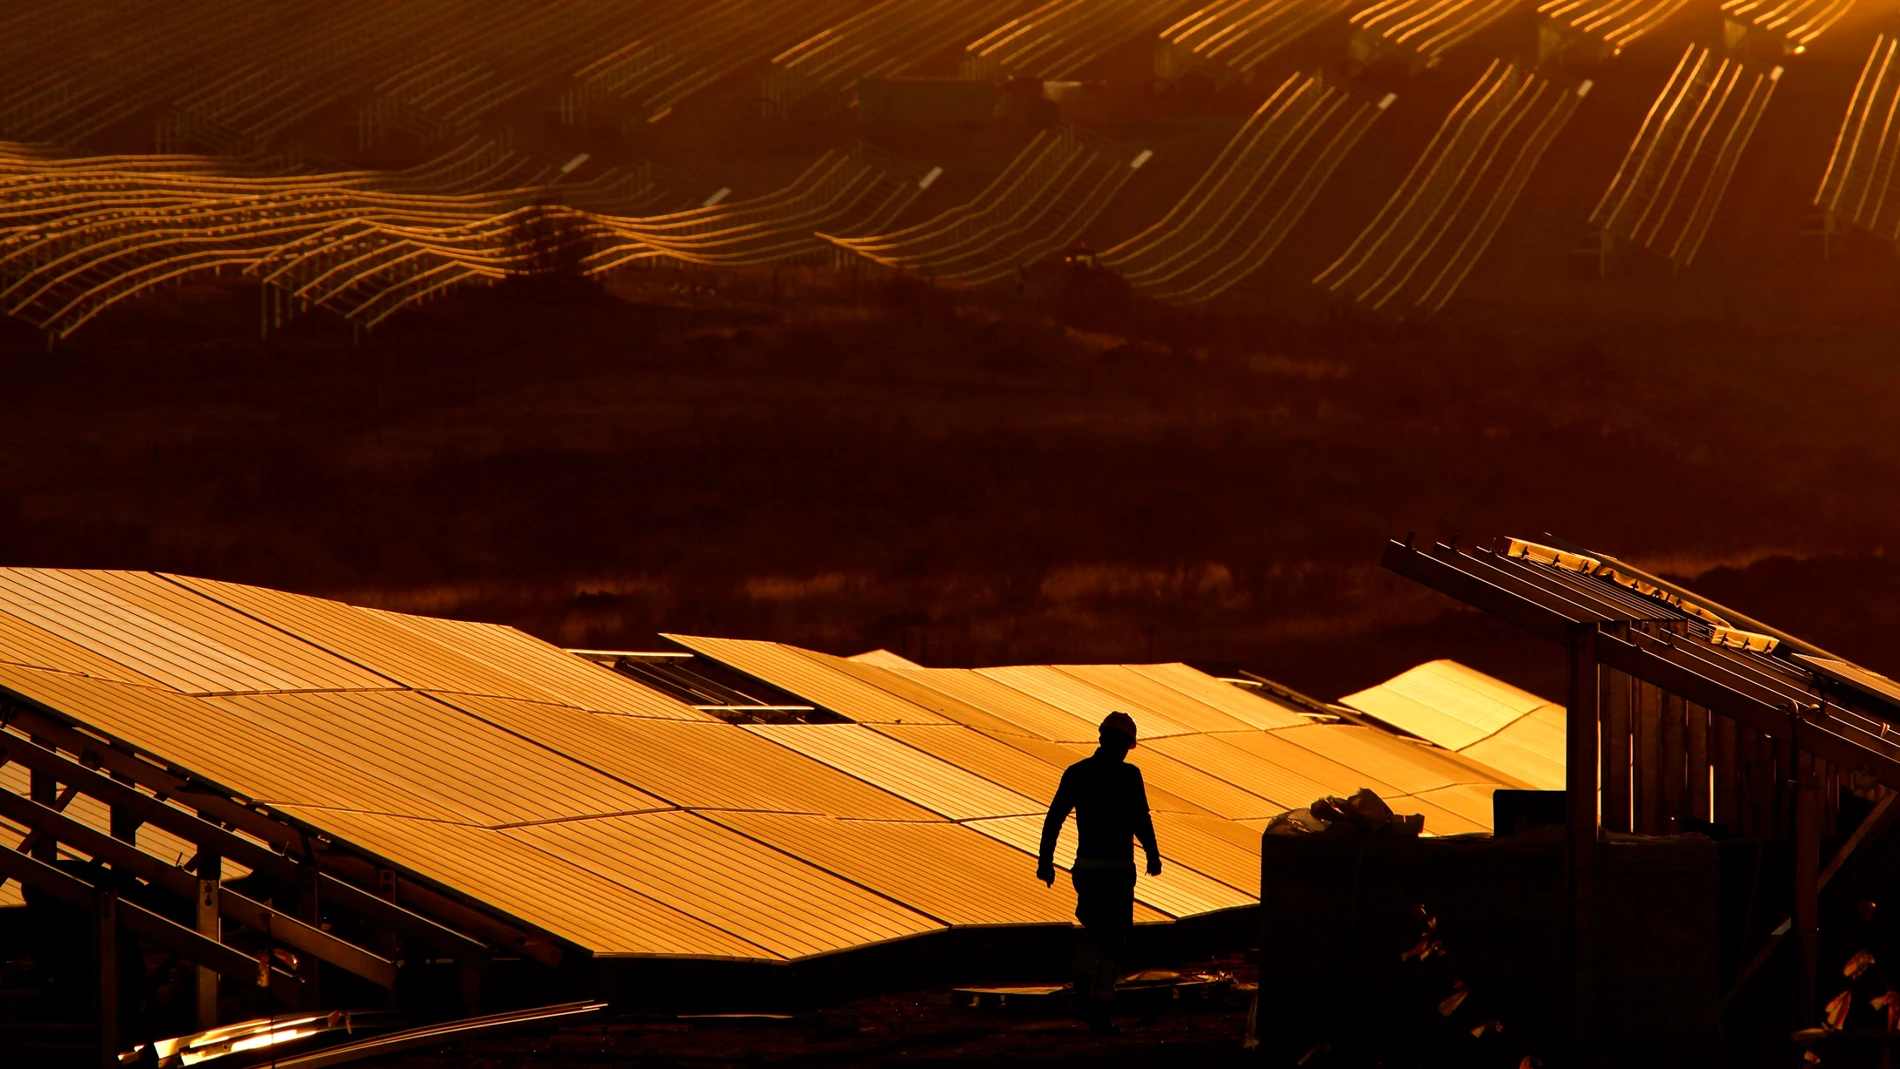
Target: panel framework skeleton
(1660, 699)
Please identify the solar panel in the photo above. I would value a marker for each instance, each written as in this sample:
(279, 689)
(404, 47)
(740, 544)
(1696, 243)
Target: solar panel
(569, 901)
(368, 639)
(1179, 891)
(571, 680)
(725, 879)
(943, 870)
(466, 767)
(171, 635)
(809, 677)
(695, 766)
(903, 770)
(1090, 704)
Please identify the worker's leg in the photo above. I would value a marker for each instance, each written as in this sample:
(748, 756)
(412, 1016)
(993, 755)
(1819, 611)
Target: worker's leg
(1115, 922)
(1105, 905)
(1088, 949)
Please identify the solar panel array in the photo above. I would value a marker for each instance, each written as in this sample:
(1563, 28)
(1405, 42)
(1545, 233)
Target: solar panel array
(1462, 709)
(1230, 223)
(1229, 39)
(1665, 193)
(1859, 185)
(443, 73)
(78, 239)
(1061, 38)
(1415, 253)
(561, 797)
(1039, 205)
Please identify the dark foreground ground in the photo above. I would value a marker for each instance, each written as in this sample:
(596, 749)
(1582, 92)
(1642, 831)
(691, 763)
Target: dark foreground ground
(966, 481)
(920, 1030)
(889, 1032)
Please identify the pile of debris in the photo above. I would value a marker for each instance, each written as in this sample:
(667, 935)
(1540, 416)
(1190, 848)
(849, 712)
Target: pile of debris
(1365, 813)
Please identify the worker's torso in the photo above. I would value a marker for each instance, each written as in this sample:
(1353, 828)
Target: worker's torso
(1109, 805)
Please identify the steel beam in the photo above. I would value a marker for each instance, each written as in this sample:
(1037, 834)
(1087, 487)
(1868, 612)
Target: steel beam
(1488, 597)
(1807, 888)
(161, 932)
(298, 934)
(105, 963)
(1547, 589)
(209, 837)
(1648, 661)
(205, 908)
(51, 732)
(1580, 802)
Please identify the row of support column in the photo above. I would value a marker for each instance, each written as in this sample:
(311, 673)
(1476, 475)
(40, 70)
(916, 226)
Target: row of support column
(1669, 766)
(1639, 759)
(43, 788)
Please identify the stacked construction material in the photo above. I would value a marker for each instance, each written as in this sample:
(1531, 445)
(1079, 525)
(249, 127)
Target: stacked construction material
(1860, 184)
(1227, 226)
(1229, 39)
(1041, 203)
(1665, 193)
(1419, 248)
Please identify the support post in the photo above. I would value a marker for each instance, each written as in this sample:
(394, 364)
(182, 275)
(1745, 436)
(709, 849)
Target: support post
(1727, 812)
(105, 1002)
(1696, 742)
(43, 787)
(308, 911)
(1807, 893)
(1615, 700)
(210, 874)
(1583, 704)
(125, 825)
(1672, 769)
(1649, 775)
(471, 978)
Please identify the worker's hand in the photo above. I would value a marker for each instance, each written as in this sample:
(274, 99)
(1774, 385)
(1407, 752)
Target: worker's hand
(1154, 864)
(1046, 872)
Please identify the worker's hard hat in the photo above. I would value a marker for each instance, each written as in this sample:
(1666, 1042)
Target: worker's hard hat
(1121, 723)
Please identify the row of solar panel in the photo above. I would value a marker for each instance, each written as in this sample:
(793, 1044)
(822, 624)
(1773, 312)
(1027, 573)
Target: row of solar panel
(621, 821)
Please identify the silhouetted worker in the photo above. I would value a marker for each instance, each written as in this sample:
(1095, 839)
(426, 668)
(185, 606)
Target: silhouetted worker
(1111, 811)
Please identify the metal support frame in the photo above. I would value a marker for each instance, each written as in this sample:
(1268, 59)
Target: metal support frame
(1874, 825)
(166, 934)
(1665, 689)
(300, 933)
(45, 790)
(105, 956)
(210, 837)
(1807, 887)
(1685, 668)
(210, 876)
(1581, 821)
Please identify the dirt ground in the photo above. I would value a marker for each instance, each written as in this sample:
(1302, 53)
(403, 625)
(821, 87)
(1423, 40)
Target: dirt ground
(920, 1030)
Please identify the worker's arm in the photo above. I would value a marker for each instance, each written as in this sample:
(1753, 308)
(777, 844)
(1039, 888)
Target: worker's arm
(1145, 826)
(1052, 830)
